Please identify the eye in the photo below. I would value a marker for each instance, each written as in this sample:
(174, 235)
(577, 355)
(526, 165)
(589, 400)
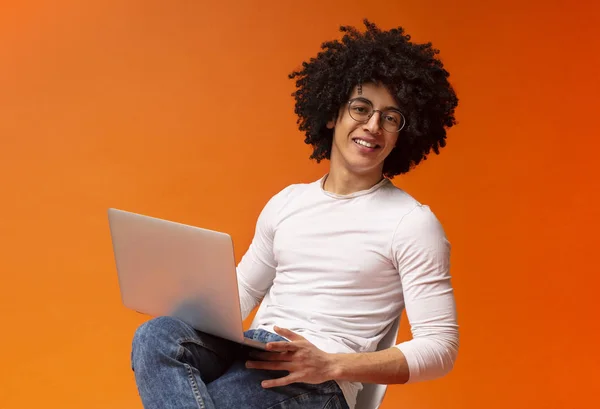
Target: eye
(360, 108)
(392, 118)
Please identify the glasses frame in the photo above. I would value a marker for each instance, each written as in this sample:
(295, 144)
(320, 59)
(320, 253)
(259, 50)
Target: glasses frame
(373, 110)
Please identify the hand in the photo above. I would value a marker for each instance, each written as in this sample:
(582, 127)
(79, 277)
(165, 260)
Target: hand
(305, 362)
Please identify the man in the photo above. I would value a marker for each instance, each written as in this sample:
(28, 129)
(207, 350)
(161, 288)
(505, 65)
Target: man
(334, 261)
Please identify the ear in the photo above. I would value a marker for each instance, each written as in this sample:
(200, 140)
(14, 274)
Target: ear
(332, 122)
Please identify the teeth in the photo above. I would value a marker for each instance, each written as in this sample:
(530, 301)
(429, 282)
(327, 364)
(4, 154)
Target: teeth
(364, 143)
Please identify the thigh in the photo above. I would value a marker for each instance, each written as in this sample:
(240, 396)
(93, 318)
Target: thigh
(241, 387)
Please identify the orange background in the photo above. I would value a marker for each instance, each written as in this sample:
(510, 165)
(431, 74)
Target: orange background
(182, 110)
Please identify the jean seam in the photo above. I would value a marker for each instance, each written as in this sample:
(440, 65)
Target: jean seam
(333, 400)
(180, 352)
(194, 385)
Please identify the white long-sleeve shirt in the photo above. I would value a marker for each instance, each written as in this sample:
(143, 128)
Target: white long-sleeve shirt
(339, 269)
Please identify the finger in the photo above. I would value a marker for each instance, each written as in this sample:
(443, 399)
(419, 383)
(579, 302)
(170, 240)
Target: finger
(282, 346)
(269, 365)
(286, 380)
(291, 335)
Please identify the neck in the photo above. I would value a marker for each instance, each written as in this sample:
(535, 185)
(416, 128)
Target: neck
(343, 182)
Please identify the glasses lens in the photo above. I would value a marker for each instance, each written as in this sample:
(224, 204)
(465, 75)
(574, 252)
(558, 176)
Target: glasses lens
(360, 110)
(392, 121)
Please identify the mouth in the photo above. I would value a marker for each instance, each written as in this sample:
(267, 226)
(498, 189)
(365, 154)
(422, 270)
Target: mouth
(364, 143)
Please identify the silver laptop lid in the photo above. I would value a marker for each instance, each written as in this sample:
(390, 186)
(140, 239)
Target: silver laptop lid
(168, 268)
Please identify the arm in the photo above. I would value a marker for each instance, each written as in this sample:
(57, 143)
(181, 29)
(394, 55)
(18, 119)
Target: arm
(422, 256)
(256, 270)
(383, 367)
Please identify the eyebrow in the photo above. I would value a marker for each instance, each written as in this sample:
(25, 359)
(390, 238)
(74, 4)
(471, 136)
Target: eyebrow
(388, 108)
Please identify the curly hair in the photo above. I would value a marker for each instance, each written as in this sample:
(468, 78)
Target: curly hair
(410, 71)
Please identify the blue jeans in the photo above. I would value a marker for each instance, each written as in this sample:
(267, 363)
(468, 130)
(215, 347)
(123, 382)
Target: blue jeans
(177, 367)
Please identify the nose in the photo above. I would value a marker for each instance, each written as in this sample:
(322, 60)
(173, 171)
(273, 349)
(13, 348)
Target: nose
(373, 124)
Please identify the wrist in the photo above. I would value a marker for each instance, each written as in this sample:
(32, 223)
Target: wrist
(336, 366)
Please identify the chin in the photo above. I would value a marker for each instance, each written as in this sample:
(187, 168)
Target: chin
(362, 168)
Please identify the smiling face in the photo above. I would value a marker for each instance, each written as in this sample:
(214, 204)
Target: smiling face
(359, 148)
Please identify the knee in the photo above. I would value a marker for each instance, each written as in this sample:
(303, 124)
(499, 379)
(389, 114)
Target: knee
(158, 337)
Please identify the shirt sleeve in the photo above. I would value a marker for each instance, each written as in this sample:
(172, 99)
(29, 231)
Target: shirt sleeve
(256, 270)
(422, 253)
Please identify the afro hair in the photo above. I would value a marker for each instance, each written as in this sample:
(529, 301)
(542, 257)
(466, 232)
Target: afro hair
(410, 71)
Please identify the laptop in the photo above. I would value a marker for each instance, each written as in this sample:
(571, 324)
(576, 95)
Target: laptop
(166, 268)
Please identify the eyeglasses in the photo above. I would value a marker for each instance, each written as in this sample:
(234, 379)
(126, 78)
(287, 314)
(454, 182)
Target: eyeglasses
(361, 110)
